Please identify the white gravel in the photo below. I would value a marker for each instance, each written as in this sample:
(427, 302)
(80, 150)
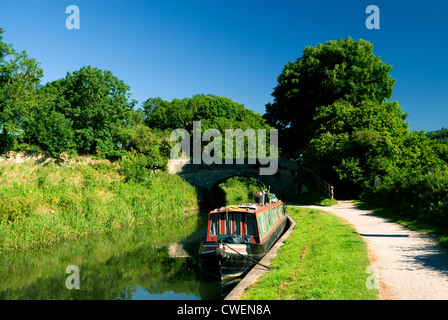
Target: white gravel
(408, 265)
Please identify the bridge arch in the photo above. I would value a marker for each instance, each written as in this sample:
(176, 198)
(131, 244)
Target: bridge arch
(284, 183)
(217, 199)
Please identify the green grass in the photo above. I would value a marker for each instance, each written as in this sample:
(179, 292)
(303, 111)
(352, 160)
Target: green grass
(45, 204)
(323, 259)
(413, 224)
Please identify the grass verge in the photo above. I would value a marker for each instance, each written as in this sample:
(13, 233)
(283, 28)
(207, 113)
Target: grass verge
(323, 259)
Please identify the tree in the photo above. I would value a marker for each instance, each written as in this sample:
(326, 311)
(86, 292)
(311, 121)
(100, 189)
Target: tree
(440, 136)
(97, 103)
(53, 133)
(357, 142)
(356, 145)
(214, 112)
(20, 100)
(343, 69)
(154, 144)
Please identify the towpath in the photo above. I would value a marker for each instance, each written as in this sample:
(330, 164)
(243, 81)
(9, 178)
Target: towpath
(408, 265)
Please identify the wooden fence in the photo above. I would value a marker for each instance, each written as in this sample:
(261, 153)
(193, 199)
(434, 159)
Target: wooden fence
(323, 185)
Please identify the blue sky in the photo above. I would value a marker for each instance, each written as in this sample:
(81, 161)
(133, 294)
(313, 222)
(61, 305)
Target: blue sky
(175, 49)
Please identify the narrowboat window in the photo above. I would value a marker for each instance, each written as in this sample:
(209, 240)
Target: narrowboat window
(251, 229)
(237, 224)
(274, 215)
(263, 223)
(228, 218)
(269, 217)
(214, 225)
(280, 211)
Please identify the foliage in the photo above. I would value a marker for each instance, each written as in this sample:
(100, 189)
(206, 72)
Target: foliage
(82, 112)
(237, 190)
(155, 144)
(214, 112)
(97, 103)
(440, 136)
(90, 112)
(355, 143)
(414, 194)
(343, 69)
(53, 132)
(133, 167)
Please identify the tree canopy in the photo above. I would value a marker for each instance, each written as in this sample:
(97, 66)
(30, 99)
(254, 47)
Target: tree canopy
(343, 69)
(440, 136)
(332, 105)
(214, 112)
(97, 103)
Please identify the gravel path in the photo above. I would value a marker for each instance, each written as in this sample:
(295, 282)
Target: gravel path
(408, 265)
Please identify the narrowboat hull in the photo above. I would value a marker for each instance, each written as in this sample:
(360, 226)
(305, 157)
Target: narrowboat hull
(225, 261)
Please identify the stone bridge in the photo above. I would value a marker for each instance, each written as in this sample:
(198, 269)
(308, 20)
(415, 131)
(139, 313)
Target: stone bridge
(284, 183)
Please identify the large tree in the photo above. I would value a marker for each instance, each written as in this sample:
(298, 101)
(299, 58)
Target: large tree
(98, 105)
(342, 69)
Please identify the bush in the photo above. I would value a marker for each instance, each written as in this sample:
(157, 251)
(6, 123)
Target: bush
(152, 143)
(7, 143)
(53, 133)
(414, 195)
(115, 155)
(133, 167)
(237, 190)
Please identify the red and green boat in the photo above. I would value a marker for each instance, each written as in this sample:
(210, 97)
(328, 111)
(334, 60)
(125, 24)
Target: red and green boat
(239, 236)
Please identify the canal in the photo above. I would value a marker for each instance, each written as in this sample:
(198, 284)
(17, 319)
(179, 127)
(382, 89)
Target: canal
(146, 262)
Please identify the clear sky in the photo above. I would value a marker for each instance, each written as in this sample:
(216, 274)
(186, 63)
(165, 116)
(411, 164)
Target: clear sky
(233, 48)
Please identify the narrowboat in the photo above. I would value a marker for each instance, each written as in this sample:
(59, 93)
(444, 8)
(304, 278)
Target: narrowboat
(239, 236)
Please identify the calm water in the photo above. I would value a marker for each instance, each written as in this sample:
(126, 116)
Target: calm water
(139, 263)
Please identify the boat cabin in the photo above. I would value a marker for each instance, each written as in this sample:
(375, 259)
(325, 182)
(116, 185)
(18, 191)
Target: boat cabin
(251, 221)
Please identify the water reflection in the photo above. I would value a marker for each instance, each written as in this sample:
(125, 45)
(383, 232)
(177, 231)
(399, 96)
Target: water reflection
(145, 262)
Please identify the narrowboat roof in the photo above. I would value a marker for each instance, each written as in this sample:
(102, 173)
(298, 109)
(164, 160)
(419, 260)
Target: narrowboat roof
(246, 207)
